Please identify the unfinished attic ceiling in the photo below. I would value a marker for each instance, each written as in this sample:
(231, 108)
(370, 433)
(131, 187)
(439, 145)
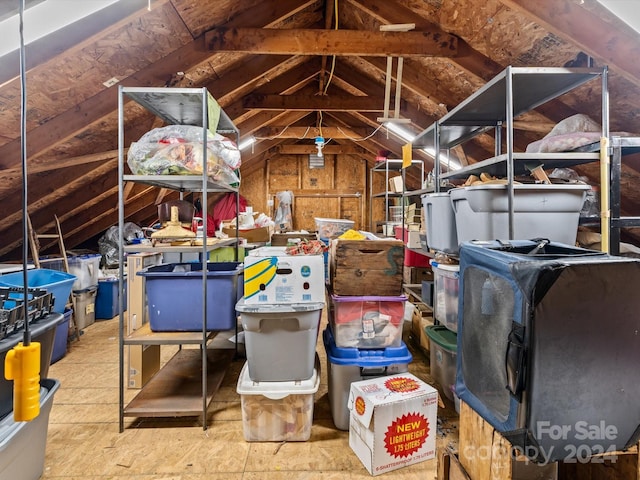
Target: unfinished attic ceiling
(283, 70)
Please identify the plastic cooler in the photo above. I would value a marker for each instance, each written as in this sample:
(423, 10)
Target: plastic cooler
(347, 365)
(61, 336)
(367, 322)
(174, 296)
(23, 444)
(86, 268)
(280, 340)
(442, 357)
(58, 283)
(277, 411)
(540, 211)
(42, 331)
(440, 222)
(445, 288)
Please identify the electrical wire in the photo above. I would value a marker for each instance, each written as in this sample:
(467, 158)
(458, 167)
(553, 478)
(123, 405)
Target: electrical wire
(23, 152)
(353, 139)
(333, 61)
(304, 136)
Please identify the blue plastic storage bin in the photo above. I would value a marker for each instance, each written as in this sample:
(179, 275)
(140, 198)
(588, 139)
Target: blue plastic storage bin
(174, 296)
(107, 298)
(347, 365)
(60, 339)
(58, 283)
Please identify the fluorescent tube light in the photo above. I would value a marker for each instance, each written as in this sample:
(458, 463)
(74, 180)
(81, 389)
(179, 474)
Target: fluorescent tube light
(246, 143)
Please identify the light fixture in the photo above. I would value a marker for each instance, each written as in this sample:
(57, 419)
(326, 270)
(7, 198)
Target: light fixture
(246, 143)
(403, 133)
(316, 161)
(320, 145)
(406, 135)
(449, 162)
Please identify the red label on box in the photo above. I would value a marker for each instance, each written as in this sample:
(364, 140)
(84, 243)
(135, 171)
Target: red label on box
(406, 434)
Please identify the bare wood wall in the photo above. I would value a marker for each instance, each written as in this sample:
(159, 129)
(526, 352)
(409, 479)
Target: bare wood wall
(339, 190)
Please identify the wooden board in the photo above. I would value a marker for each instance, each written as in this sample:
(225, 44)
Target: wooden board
(486, 455)
(366, 267)
(176, 390)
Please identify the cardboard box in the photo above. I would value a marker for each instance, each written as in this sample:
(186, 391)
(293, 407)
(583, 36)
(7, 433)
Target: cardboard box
(253, 235)
(371, 267)
(396, 185)
(419, 322)
(282, 239)
(393, 422)
(271, 276)
(142, 361)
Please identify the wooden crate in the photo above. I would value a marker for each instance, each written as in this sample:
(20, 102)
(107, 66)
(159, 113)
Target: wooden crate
(366, 267)
(484, 454)
(415, 275)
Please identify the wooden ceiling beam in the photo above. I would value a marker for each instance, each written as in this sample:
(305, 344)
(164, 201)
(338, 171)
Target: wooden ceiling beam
(298, 149)
(73, 37)
(67, 124)
(312, 132)
(59, 201)
(374, 89)
(253, 124)
(332, 102)
(287, 82)
(616, 47)
(273, 41)
(469, 59)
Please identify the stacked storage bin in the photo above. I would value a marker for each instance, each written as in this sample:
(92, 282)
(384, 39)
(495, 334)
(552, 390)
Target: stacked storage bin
(86, 268)
(442, 336)
(280, 314)
(328, 229)
(57, 283)
(366, 316)
(440, 222)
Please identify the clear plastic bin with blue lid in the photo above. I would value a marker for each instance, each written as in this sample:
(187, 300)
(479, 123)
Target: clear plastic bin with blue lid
(347, 365)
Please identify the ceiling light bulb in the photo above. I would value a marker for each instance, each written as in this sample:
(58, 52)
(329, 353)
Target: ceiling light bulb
(319, 147)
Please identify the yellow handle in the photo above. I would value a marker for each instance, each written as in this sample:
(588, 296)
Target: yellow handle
(22, 365)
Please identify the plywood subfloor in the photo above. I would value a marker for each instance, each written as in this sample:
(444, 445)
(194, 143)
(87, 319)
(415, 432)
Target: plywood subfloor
(84, 443)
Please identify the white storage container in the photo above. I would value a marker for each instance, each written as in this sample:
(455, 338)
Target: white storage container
(23, 444)
(540, 211)
(280, 340)
(440, 222)
(86, 268)
(277, 411)
(446, 283)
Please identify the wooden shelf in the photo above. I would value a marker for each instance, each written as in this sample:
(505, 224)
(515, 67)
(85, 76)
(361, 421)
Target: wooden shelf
(145, 336)
(414, 293)
(176, 390)
(212, 244)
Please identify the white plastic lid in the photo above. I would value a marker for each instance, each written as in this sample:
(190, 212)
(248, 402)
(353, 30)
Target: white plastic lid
(334, 220)
(242, 306)
(278, 390)
(448, 268)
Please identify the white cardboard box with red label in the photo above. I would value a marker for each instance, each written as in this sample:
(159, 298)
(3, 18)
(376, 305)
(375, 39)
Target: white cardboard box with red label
(271, 276)
(393, 422)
